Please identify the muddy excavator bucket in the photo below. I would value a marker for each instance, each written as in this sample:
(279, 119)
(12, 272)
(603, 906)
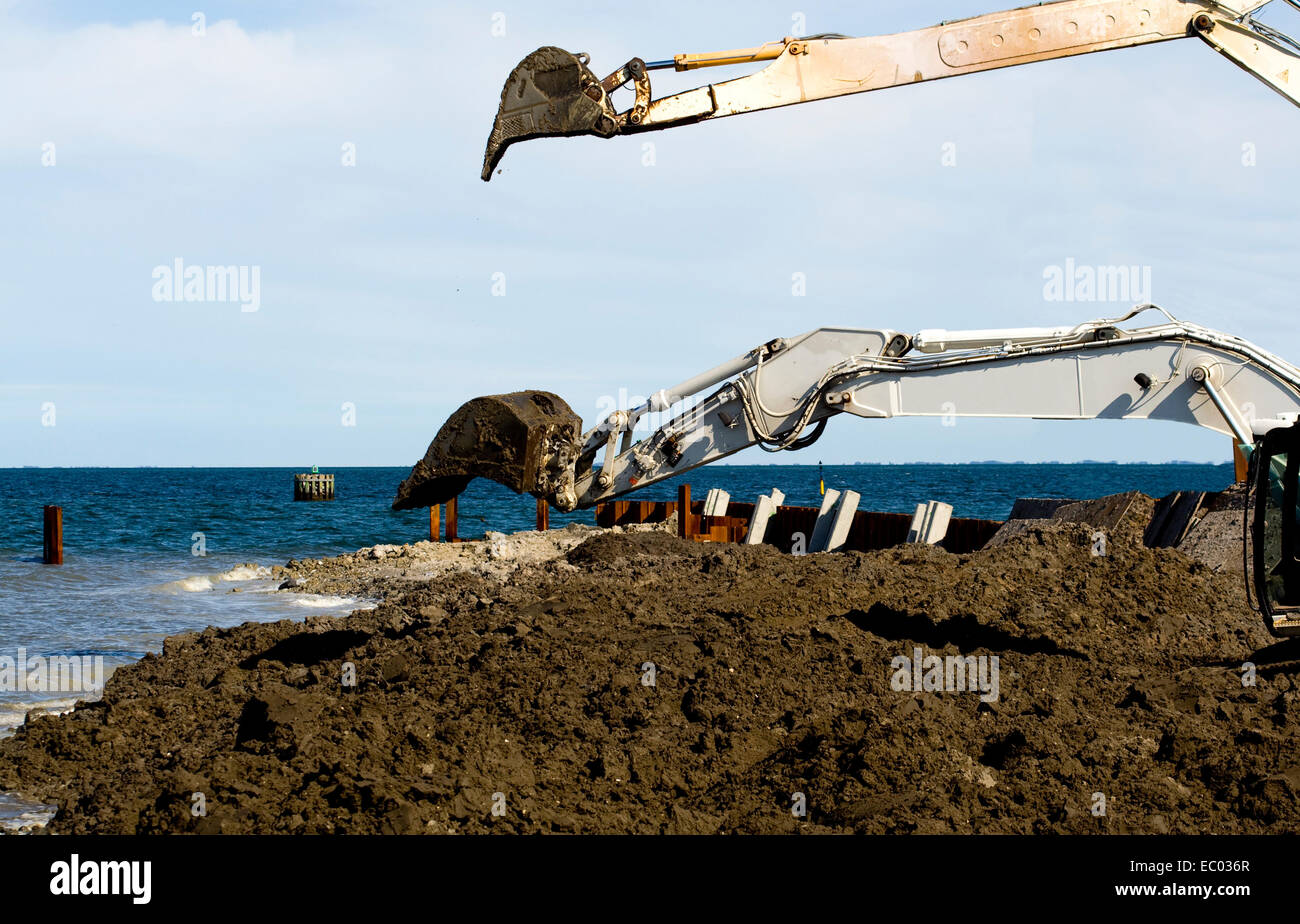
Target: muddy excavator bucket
(525, 440)
(551, 92)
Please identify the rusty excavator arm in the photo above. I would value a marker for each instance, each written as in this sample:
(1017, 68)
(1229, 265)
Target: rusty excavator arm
(555, 93)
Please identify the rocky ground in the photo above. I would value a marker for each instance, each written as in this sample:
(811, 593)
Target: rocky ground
(628, 681)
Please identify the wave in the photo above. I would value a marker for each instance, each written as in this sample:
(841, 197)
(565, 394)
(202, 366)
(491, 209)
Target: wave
(18, 815)
(325, 600)
(189, 585)
(14, 714)
(201, 583)
(245, 572)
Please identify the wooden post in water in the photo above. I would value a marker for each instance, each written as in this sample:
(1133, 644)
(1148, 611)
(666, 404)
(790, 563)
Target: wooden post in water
(434, 526)
(684, 511)
(452, 506)
(53, 535)
(543, 515)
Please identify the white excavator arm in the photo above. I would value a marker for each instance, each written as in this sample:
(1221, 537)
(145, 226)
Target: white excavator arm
(781, 394)
(554, 93)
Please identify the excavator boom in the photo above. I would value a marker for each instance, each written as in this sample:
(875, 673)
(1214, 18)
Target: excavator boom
(555, 93)
(782, 394)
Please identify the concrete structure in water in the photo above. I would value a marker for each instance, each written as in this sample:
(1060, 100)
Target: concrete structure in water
(313, 487)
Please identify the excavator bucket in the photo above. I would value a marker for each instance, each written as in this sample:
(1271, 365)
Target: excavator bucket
(525, 440)
(551, 92)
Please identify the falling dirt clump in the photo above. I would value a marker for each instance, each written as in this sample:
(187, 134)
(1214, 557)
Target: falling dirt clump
(640, 683)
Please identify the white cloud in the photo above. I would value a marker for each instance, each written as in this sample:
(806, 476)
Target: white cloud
(156, 88)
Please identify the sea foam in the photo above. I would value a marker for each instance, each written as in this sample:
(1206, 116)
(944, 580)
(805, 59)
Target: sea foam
(245, 572)
(189, 585)
(14, 714)
(325, 600)
(201, 583)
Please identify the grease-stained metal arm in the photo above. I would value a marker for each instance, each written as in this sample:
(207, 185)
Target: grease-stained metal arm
(804, 70)
(1097, 370)
(554, 93)
(1271, 56)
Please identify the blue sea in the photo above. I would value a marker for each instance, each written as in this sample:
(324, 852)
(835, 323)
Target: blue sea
(154, 552)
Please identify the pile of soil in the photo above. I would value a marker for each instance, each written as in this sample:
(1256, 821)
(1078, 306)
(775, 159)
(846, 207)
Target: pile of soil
(1215, 537)
(638, 683)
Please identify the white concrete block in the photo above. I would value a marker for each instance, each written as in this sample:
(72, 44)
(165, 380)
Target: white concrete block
(844, 512)
(763, 511)
(930, 522)
(715, 505)
(822, 528)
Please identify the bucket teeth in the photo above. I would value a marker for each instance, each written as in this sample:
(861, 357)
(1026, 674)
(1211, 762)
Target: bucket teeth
(526, 440)
(550, 92)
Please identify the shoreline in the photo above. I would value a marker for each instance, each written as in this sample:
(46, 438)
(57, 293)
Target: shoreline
(355, 576)
(587, 680)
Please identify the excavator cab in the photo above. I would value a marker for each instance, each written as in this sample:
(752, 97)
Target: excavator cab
(1276, 527)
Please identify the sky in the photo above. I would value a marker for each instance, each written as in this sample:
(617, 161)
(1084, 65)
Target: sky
(394, 288)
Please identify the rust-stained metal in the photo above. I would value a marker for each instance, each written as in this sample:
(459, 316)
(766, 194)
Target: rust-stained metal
(53, 551)
(527, 441)
(684, 515)
(871, 531)
(633, 72)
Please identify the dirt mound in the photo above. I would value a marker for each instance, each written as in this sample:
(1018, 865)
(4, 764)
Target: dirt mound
(1117, 517)
(1216, 539)
(615, 548)
(644, 684)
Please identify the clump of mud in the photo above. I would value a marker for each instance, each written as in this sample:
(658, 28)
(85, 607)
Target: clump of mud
(637, 683)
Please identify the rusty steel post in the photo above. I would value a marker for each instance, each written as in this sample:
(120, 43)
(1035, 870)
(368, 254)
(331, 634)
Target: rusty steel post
(543, 515)
(452, 506)
(684, 511)
(53, 535)
(435, 527)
